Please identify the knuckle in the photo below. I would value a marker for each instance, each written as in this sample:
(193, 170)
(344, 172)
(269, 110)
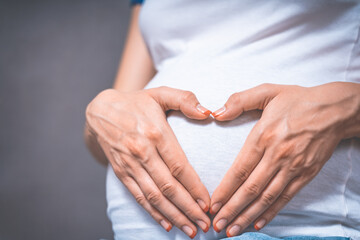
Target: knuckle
(163, 88)
(297, 164)
(177, 169)
(119, 173)
(268, 199)
(231, 212)
(260, 127)
(241, 174)
(252, 189)
(188, 96)
(245, 220)
(120, 161)
(154, 198)
(307, 173)
(189, 211)
(169, 190)
(285, 198)
(177, 219)
(284, 150)
(137, 147)
(313, 171)
(140, 199)
(123, 171)
(234, 98)
(153, 133)
(265, 85)
(268, 137)
(144, 159)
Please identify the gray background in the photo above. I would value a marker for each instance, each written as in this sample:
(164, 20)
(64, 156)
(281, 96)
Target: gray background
(55, 56)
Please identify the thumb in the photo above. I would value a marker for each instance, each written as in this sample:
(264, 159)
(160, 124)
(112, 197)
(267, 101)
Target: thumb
(251, 99)
(176, 99)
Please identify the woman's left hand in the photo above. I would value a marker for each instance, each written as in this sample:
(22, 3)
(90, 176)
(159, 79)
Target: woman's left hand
(295, 136)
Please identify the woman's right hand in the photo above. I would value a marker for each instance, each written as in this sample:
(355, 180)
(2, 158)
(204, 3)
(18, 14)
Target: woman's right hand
(133, 132)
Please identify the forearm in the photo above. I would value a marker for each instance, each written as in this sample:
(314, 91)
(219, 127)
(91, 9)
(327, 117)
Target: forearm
(135, 71)
(136, 67)
(353, 129)
(346, 105)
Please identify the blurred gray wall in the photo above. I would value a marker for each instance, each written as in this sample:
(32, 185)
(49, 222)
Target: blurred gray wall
(55, 56)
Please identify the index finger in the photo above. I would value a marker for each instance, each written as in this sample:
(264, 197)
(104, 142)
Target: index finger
(174, 157)
(245, 162)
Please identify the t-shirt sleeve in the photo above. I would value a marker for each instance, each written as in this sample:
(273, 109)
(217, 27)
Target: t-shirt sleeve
(133, 2)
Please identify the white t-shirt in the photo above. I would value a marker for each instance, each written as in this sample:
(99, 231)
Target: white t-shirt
(215, 48)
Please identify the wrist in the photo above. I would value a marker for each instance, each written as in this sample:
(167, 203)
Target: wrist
(349, 108)
(352, 128)
(94, 147)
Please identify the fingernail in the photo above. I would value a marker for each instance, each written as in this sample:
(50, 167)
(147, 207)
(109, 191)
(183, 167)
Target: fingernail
(220, 225)
(202, 205)
(188, 231)
(233, 231)
(219, 111)
(165, 225)
(203, 110)
(260, 224)
(215, 208)
(202, 225)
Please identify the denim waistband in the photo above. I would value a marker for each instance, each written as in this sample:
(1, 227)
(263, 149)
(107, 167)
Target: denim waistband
(261, 236)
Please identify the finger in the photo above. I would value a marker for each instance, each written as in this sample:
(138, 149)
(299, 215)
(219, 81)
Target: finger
(176, 99)
(144, 156)
(289, 192)
(135, 190)
(251, 99)
(245, 162)
(248, 192)
(161, 203)
(141, 155)
(260, 205)
(133, 187)
(176, 161)
(174, 190)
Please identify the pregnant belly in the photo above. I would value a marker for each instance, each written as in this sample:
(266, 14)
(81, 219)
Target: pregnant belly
(211, 146)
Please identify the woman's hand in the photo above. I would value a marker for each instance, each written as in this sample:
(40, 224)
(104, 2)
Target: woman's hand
(132, 130)
(297, 133)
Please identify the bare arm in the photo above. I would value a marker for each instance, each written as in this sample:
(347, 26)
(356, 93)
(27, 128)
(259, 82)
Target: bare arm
(136, 67)
(296, 135)
(126, 126)
(134, 72)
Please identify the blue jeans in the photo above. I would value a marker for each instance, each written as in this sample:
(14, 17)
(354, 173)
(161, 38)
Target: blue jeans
(261, 236)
